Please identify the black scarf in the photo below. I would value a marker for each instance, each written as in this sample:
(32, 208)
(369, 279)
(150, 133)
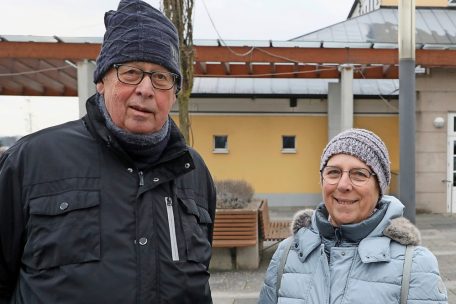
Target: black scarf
(144, 149)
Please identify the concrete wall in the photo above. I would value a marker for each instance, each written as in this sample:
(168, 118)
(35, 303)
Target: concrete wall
(436, 96)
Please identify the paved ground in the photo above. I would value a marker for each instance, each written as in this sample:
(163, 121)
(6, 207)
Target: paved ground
(438, 234)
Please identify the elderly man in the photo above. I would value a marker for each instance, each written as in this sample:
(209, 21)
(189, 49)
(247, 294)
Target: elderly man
(114, 207)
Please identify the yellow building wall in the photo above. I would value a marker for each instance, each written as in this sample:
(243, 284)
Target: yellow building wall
(434, 3)
(387, 127)
(255, 142)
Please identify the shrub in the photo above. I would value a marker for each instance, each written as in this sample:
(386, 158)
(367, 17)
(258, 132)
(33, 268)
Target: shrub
(233, 194)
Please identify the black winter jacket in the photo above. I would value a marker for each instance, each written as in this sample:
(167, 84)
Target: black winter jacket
(80, 224)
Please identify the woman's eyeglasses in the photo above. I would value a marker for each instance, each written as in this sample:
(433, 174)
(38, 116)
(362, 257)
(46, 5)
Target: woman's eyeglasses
(358, 176)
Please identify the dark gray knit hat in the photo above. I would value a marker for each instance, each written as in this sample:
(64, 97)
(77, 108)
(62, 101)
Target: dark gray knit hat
(138, 32)
(367, 147)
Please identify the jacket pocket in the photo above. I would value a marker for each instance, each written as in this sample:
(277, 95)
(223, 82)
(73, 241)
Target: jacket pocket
(195, 221)
(63, 229)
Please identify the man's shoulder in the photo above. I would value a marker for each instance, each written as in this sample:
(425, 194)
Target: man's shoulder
(57, 130)
(195, 155)
(48, 137)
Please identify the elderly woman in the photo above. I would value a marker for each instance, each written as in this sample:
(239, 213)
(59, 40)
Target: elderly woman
(352, 248)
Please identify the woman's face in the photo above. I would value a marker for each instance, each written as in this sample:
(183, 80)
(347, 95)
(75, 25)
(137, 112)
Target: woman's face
(345, 202)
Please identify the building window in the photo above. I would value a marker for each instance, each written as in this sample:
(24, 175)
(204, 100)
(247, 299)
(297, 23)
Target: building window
(220, 144)
(288, 144)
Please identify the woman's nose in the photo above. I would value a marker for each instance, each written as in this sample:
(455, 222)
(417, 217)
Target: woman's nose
(344, 182)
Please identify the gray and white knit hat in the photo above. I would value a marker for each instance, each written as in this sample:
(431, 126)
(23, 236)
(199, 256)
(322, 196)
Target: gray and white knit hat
(367, 147)
(138, 32)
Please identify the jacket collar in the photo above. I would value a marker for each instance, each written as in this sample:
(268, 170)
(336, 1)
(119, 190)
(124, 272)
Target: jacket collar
(352, 233)
(95, 122)
(375, 247)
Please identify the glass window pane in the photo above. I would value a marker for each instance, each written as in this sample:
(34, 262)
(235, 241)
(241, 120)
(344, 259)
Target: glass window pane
(454, 123)
(454, 179)
(288, 142)
(220, 141)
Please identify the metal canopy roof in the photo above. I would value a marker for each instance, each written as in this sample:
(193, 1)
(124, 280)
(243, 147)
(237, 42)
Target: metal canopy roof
(304, 88)
(46, 65)
(435, 29)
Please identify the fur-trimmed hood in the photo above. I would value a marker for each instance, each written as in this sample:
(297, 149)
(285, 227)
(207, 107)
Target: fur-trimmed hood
(399, 229)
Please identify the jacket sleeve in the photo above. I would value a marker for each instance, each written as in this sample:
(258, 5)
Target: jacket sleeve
(426, 285)
(11, 226)
(268, 294)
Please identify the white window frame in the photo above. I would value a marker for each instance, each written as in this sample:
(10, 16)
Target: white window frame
(220, 150)
(289, 150)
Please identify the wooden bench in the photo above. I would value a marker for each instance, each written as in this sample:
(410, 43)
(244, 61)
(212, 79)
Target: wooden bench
(239, 235)
(272, 230)
(245, 227)
(236, 227)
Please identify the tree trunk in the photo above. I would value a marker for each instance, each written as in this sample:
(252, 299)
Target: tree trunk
(180, 13)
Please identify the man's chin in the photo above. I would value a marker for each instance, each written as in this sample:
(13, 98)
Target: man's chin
(141, 129)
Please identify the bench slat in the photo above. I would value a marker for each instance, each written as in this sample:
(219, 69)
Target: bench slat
(229, 243)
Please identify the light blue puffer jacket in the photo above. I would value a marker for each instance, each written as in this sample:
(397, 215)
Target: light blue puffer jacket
(368, 273)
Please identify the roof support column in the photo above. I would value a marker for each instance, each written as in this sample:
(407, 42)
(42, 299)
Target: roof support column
(86, 87)
(407, 100)
(346, 93)
(334, 109)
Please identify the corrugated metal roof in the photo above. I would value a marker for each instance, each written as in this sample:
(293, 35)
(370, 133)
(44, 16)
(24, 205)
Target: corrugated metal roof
(435, 28)
(284, 86)
(50, 39)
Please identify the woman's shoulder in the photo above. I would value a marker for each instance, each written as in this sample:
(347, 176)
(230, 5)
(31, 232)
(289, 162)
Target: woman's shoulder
(403, 231)
(301, 219)
(424, 260)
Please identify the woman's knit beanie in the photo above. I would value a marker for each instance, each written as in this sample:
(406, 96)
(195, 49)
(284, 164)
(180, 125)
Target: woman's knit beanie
(367, 147)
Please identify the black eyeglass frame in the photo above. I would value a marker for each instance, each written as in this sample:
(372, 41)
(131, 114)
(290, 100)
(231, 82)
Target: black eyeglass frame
(150, 74)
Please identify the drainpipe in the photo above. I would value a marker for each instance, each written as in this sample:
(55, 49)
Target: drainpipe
(407, 100)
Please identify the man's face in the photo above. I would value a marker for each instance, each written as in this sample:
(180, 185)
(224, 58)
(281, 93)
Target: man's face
(138, 109)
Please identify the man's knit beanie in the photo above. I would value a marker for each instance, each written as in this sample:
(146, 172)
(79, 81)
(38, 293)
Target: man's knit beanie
(367, 147)
(138, 32)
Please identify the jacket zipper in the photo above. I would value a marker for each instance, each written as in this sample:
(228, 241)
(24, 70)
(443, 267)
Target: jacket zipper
(338, 235)
(141, 178)
(172, 228)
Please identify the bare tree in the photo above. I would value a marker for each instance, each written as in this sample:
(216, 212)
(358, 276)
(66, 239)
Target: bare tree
(180, 13)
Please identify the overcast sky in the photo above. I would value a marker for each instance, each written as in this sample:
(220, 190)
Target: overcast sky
(232, 19)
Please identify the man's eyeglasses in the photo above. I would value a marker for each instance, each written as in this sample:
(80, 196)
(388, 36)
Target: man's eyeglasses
(133, 75)
(358, 176)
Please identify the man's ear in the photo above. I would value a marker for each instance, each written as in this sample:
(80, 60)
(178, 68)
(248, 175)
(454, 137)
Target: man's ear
(100, 87)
